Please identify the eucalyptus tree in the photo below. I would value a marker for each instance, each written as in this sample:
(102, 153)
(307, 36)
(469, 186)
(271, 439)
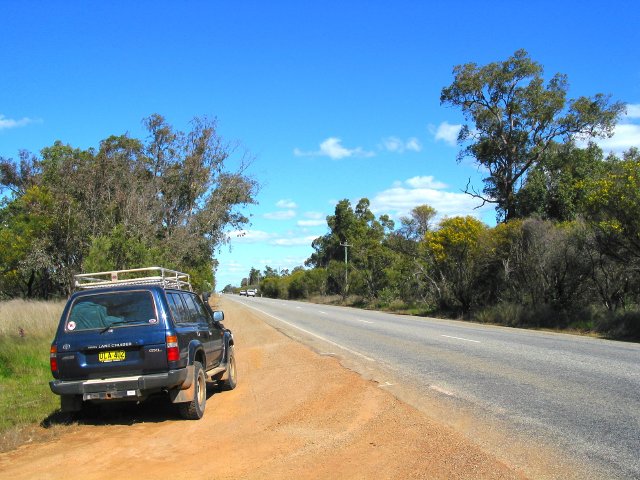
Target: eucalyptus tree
(513, 118)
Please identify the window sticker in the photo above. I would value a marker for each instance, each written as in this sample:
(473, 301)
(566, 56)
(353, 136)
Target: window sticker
(71, 325)
(153, 321)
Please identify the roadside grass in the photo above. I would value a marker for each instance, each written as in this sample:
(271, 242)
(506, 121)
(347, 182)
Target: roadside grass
(26, 331)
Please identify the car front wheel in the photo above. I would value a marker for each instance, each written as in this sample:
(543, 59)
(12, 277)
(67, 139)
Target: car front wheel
(232, 376)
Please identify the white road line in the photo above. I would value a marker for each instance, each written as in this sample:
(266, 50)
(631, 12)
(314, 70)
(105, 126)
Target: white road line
(314, 335)
(363, 321)
(441, 390)
(459, 338)
(324, 313)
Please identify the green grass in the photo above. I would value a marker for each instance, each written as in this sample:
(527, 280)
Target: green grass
(25, 397)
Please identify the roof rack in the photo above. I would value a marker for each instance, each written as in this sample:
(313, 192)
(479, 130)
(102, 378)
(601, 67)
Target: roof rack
(135, 276)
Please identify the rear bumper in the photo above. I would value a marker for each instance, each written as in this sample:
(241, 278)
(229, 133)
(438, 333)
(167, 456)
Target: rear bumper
(121, 387)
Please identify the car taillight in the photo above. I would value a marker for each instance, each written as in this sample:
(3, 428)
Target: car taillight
(173, 352)
(53, 358)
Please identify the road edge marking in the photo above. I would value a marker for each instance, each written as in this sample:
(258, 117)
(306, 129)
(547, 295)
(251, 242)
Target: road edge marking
(313, 334)
(460, 338)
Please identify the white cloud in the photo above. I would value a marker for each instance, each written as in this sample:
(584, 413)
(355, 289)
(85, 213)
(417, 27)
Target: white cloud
(625, 136)
(448, 133)
(232, 267)
(250, 236)
(314, 219)
(413, 144)
(332, 147)
(393, 144)
(314, 215)
(311, 223)
(626, 133)
(6, 123)
(286, 203)
(294, 241)
(282, 263)
(398, 200)
(397, 145)
(281, 215)
(278, 239)
(423, 182)
(633, 110)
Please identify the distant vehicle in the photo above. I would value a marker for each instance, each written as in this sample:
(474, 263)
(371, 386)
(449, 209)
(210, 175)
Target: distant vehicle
(130, 334)
(243, 293)
(251, 293)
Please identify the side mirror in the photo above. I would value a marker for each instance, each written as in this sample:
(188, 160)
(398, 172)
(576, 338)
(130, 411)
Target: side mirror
(218, 316)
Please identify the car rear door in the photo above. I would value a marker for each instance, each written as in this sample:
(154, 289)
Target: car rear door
(210, 336)
(111, 334)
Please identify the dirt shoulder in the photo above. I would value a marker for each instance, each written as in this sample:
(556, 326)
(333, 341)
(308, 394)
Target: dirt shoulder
(295, 414)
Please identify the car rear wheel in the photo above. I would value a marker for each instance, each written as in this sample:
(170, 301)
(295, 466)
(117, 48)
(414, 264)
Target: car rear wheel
(194, 410)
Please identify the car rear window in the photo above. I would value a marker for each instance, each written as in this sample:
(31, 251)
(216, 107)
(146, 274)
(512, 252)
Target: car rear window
(118, 309)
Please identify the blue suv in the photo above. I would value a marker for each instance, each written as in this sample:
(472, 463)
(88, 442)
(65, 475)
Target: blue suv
(129, 334)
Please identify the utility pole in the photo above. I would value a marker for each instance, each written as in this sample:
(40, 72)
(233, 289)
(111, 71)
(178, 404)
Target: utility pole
(346, 268)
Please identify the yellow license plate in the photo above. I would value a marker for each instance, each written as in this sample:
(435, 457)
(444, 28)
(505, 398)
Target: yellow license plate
(114, 356)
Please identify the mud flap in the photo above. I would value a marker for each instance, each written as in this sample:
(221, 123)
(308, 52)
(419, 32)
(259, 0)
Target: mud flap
(185, 392)
(70, 403)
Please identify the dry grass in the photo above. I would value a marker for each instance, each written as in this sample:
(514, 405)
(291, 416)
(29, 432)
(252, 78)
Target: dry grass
(36, 318)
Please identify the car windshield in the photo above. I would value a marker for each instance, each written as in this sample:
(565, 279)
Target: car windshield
(118, 309)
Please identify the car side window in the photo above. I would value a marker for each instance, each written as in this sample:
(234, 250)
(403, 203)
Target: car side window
(197, 314)
(201, 308)
(178, 310)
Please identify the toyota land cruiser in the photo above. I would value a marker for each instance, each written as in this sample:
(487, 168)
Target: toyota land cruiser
(129, 334)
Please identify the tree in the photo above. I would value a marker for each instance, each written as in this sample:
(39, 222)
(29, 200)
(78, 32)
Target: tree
(23, 241)
(342, 228)
(457, 253)
(367, 258)
(297, 286)
(545, 264)
(418, 223)
(614, 206)
(555, 188)
(166, 201)
(254, 276)
(274, 287)
(270, 272)
(515, 118)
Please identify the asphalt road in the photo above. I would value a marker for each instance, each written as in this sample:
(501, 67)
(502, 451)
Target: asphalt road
(576, 395)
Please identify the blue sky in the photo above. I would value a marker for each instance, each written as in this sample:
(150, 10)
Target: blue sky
(333, 99)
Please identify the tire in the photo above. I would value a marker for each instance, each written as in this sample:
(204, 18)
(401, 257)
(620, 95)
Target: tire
(194, 410)
(231, 379)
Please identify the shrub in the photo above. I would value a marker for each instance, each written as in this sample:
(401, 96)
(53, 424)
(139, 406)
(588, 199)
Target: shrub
(517, 315)
(619, 324)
